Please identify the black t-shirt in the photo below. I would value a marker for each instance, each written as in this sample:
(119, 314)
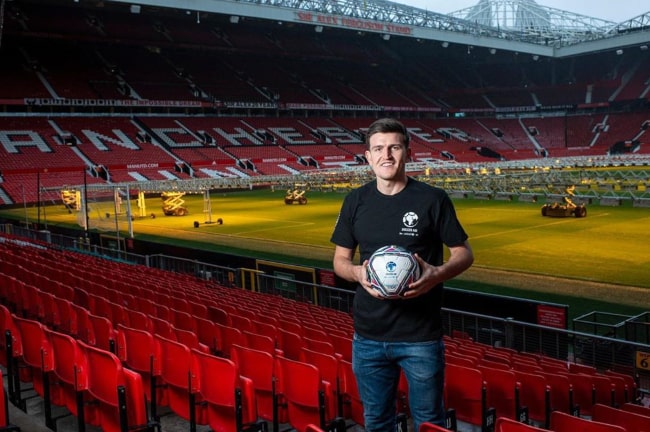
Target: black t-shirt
(420, 218)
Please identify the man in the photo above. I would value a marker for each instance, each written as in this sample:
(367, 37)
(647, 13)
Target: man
(401, 334)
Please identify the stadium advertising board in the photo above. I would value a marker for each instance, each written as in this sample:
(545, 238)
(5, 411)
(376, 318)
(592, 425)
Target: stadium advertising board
(353, 23)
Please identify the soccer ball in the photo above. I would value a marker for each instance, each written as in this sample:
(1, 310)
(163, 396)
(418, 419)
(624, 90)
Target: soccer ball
(391, 269)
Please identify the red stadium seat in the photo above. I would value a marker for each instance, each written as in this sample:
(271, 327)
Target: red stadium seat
(300, 388)
(502, 391)
(466, 393)
(563, 422)
(629, 420)
(342, 346)
(258, 366)
(352, 406)
(290, 343)
(535, 395)
(118, 391)
(67, 321)
(177, 371)
(104, 334)
(37, 356)
(630, 389)
(328, 366)
(162, 327)
(70, 376)
(137, 351)
(267, 329)
(259, 342)
(509, 425)
(229, 336)
(583, 392)
(138, 320)
(230, 398)
(561, 392)
(634, 408)
(208, 333)
(190, 339)
(11, 349)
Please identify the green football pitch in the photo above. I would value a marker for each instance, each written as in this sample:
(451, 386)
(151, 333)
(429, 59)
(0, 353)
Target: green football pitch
(611, 245)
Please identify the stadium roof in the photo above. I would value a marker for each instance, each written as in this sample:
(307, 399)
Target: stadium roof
(510, 25)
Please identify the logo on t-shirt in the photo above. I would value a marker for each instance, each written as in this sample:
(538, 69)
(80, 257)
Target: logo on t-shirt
(410, 220)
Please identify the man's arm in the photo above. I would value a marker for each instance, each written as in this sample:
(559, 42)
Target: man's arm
(460, 259)
(346, 269)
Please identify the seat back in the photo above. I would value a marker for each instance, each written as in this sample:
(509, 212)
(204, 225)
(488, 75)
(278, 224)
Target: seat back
(328, 366)
(502, 391)
(563, 422)
(430, 427)
(119, 392)
(69, 361)
(342, 346)
(67, 317)
(504, 424)
(7, 324)
(162, 327)
(629, 420)
(177, 373)
(638, 409)
(466, 393)
(51, 316)
(290, 343)
(136, 348)
(302, 391)
(259, 342)
(353, 408)
(138, 320)
(229, 337)
(535, 394)
(37, 353)
(207, 333)
(183, 320)
(230, 399)
(137, 351)
(70, 373)
(84, 330)
(561, 392)
(583, 392)
(102, 328)
(258, 366)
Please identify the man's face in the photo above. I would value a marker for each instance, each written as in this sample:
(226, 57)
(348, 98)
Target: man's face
(387, 156)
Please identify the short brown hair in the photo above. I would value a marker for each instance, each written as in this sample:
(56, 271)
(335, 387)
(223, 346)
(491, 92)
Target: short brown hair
(388, 125)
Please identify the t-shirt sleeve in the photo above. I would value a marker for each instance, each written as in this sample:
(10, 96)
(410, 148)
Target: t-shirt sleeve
(452, 232)
(343, 234)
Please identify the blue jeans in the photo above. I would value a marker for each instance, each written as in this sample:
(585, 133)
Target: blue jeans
(377, 368)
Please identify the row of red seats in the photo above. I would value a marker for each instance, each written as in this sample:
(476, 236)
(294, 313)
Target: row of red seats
(101, 315)
(542, 383)
(169, 362)
(94, 329)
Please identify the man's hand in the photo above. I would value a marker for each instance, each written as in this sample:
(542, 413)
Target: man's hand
(429, 277)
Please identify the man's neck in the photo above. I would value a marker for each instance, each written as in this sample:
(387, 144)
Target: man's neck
(391, 187)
